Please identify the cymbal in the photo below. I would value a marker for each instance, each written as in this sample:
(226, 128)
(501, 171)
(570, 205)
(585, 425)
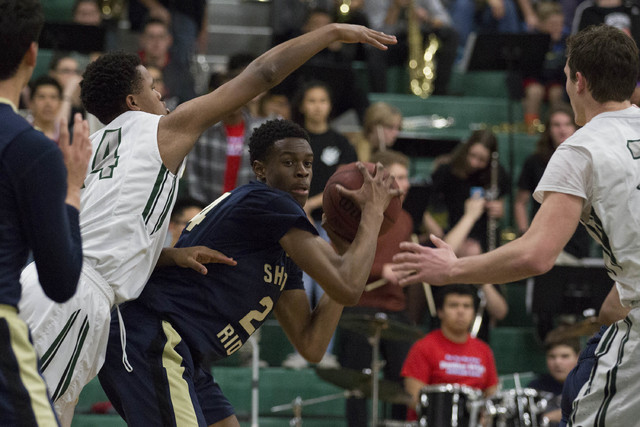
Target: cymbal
(351, 379)
(584, 328)
(389, 329)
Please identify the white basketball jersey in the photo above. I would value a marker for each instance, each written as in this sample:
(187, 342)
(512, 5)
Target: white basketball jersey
(611, 184)
(126, 203)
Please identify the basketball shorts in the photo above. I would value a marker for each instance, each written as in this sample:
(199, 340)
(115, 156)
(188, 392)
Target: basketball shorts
(611, 396)
(165, 387)
(23, 394)
(70, 338)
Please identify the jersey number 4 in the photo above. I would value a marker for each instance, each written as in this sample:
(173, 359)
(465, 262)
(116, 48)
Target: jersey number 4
(106, 158)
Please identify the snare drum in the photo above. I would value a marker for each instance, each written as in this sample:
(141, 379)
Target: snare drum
(449, 405)
(516, 408)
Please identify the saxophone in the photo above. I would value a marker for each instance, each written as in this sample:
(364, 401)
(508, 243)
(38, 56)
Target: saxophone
(421, 58)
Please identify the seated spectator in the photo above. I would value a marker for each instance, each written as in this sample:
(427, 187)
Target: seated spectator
(331, 66)
(45, 103)
(65, 68)
(219, 161)
(391, 18)
(184, 209)
(355, 351)
(561, 357)
(484, 16)
(88, 12)
(380, 129)
(449, 355)
(274, 105)
(155, 42)
(549, 83)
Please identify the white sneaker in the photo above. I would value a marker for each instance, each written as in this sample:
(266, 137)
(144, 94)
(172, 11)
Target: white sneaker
(329, 361)
(295, 361)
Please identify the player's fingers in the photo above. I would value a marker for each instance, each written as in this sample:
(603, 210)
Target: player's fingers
(207, 255)
(438, 241)
(63, 140)
(193, 264)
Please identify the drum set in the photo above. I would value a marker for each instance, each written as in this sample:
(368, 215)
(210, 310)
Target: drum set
(439, 405)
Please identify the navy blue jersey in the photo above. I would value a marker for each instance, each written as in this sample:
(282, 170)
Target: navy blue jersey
(215, 314)
(33, 213)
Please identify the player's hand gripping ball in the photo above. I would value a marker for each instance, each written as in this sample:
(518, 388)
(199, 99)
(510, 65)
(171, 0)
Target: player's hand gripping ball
(342, 215)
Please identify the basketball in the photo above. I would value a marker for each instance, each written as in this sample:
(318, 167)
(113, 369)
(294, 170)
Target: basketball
(342, 214)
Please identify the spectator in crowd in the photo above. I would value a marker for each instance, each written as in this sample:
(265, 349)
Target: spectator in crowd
(449, 355)
(380, 129)
(87, 12)
(65, 68)
(220, 159)
(354, 350)
(311, 109)
(45, 104)
(561, 356)
(469, 171)
(155, 42)
(184, 209)
(549, 83)
(484, 16)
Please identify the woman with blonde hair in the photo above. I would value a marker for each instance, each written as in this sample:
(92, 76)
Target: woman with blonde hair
(381, 125)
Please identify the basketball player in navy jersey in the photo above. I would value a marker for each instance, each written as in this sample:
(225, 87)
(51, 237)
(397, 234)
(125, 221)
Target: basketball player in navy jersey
(183, 318)
(39, 203)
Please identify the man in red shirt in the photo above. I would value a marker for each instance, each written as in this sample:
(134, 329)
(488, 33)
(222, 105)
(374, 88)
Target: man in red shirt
(450, 355)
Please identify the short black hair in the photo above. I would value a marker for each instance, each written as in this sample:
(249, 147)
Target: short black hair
(270, 132)
(183, 203)
(44, 80)
(107, 82)
(21, 22)
(458, 290)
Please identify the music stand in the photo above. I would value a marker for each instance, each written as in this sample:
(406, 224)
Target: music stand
(517, 54)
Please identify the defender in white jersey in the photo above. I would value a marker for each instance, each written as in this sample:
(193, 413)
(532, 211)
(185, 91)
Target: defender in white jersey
(593, 178)
(129, 194)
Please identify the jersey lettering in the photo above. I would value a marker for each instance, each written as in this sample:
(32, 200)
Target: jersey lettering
(203, 213)
(229, 339)
(257, 315)
(277, 277)
(106, 158)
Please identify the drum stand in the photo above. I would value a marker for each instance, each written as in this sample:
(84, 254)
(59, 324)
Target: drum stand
(380, 321)
(298, 403)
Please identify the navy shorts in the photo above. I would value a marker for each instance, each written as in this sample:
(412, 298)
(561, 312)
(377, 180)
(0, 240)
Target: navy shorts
(165, 387)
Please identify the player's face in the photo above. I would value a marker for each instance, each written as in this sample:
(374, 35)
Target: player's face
(288, 167)
(561, 127)
(149, 99)
(45, 103)
(560, 361)
(457, 313)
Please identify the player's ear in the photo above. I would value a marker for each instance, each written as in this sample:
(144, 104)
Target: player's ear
(131, 103)
(259, 170)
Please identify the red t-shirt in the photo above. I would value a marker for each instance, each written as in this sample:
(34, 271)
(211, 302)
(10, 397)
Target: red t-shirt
(235, 145)
(437, 360)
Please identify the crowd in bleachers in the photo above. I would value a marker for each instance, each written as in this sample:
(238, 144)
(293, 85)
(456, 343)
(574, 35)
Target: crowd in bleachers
(340, 86)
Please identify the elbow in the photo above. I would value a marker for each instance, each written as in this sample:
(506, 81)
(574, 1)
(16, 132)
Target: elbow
(267, 71)
(536, 263)
(348, 297)
(59, 295)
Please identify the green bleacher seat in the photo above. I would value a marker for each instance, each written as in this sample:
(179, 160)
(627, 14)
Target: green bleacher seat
(516, 349)
(42, 63)
(58, 10)
(490, 84)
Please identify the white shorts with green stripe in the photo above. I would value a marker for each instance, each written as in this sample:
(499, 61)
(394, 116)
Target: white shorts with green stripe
(70, 338)
(611, 397)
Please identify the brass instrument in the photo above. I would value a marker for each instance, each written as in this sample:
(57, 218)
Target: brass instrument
(344, 10)
(422, 70)
(111, 8)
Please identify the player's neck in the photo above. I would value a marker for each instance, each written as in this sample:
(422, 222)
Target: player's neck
(606, 107)
(10, 89)
(453, 335)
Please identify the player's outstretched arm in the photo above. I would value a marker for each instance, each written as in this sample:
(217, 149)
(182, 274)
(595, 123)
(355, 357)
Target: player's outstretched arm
(532, 254)
(179, 130)
(343, 276)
